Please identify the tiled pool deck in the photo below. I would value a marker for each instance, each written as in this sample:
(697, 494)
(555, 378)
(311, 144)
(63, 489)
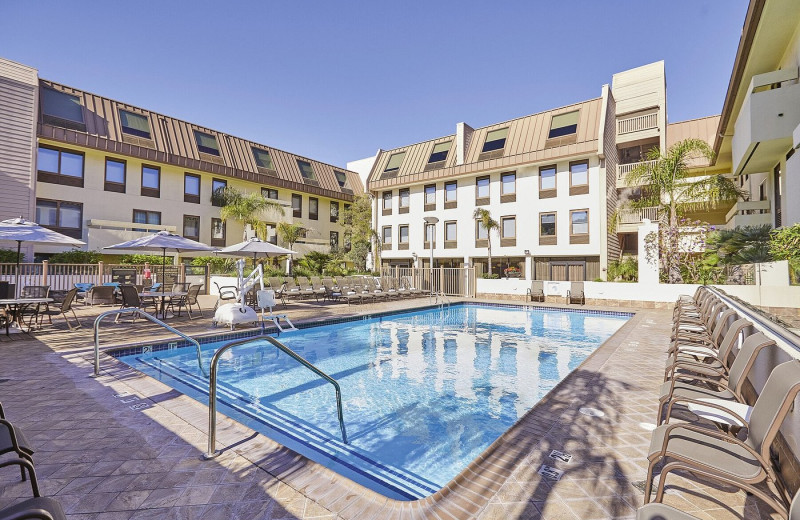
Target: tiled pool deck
(125, 446)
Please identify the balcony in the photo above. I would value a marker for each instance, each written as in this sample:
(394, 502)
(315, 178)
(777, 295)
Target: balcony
(624, 169)
(749, 213)
(102, 233)
(769, 114)
(635, 127)
(629, 220)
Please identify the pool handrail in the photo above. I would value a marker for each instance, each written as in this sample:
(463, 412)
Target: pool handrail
(149, 317)
(212, 387)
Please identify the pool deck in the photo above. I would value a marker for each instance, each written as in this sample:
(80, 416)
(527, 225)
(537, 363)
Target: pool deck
(124, 446)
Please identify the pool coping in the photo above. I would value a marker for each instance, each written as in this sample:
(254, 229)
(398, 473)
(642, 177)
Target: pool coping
(465, 495)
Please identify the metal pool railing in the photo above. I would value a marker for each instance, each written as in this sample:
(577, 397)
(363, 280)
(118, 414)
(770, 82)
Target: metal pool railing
(212, 388)
(148, 317)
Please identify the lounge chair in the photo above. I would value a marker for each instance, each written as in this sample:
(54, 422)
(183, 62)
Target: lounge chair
(710, 360)
(575, 293)
(536, 291)
(307, 290)
(63, 309)
(332, 292)
(83, 288)
(100, 295)
(372, 288)
(409, 286)
(741, 463)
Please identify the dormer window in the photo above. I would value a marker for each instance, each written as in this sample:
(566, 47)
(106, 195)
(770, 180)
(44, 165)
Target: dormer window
(495, 140)
(440, 152)
(62, 109)
(341, 178)
(563, 124)
(134, 124)
(306, 170)
(263, 158)
(394, 162)
(206, 143)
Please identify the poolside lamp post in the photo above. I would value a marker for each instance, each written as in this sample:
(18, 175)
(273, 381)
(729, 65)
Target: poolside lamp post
(431, 221)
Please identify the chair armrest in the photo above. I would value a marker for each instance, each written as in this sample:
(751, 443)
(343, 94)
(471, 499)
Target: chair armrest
(24, 464)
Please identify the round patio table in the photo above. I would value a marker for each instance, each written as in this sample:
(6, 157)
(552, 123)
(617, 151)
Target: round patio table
(16, 306)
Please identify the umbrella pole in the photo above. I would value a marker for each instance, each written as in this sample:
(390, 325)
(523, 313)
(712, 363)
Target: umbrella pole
(163, 268)
(16, 281)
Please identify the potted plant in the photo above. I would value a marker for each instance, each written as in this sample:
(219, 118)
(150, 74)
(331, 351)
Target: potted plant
(512, 272)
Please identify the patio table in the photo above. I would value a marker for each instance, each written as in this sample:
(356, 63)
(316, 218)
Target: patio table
(163, 296)
(16, 306)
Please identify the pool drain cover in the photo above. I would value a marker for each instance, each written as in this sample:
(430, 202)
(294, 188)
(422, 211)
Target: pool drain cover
(560, 455)
(592, 412)
(550, 472)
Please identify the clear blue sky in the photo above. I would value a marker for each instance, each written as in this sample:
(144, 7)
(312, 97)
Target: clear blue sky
(336, 81)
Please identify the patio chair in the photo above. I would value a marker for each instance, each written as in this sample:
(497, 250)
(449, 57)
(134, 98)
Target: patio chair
(743, 463)
(38, 507)
(307, 290)
(187, 301)
(100, 295)
(33, 313)
(372, 288)
(83, 288)
(575, 293)
(708, 359)
(63, 309)
(225, 293)
(536, 291)
(130, 300)
(409, 286)
(12, 439)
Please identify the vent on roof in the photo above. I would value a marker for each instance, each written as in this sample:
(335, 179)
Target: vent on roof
(434, 165)
(212, 158)
(267, 171)
(138, 141)
(485, 156)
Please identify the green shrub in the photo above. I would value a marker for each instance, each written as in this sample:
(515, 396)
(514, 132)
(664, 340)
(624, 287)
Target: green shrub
(493, 276)
(9, 256)
(625, 270)
(76, 256)
(219, 264)
(142, 259)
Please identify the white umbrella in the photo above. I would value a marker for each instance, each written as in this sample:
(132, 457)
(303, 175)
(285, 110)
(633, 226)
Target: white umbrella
(162, 240)
(21, 230)
(256, 246)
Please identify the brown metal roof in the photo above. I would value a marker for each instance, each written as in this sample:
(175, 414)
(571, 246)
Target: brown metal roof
(526, 142)
(172, 141)
(704, 128)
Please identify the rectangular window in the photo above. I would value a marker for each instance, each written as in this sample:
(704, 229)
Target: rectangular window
(480, 232)
(262, 157)
(334, 240)
(191, 227)
(61, 216)
(394, 162)
(387, 202)
(134, 124)
(217, 191)
(115, 175)
(297, 206)
(272, 234)
(334, 211)
(402, 232)
(217, 232)
(141, 216)
(547, 229)
(60, 166)
(450, 192)
(430, 197)
(151, 181)
(306, 170)
(579, 178)
(405, 198)
(508, 231)
(482, 190)
(387, 236)
(341, 178)
(579, 222)
(313, 208)
(191, 188)
(269, 193)
(547, 182)
(563, 124)
(430, 235)
(61, 107)
(206, 143)
(450, 235)
(508, 187)
(495, 140)
(440, 151)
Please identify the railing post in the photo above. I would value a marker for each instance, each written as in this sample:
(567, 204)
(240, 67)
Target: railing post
(182, 272)
(45, 264)
(208, 278)
(100, 272)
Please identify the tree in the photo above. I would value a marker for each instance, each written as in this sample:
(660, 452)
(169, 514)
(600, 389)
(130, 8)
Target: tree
(665, 183)
(485, 220)
(357, 224)
(743, 245)
(785, 245)
(247, 209)
(76, 256)
(290, 234)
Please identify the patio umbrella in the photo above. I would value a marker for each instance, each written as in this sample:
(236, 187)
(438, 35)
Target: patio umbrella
(256, 246)
(21, 230)
(162, 240)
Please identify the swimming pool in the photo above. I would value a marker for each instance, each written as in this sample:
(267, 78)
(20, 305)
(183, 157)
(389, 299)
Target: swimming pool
(424, 392)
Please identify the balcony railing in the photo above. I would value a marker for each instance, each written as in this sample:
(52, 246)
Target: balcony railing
(637, 216)
(637, 123)
(750, 207)
(624, 169)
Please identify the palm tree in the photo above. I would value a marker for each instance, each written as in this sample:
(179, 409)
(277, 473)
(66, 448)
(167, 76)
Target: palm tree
(247, 209)
(290, 234)
(743, 245)
(485, 220)
(665, 183)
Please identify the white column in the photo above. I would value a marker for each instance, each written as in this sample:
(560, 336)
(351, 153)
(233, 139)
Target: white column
(648, 270)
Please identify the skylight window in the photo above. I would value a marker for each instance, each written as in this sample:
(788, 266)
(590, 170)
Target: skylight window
(206, 143)
(62, 105)
(394, 162)
(263, 158)
(563, 124)
(134, 124)
(440, 152)
(306, 170)
(341, 178)
(495, 140)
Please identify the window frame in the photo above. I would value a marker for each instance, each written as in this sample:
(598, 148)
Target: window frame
(190, 197)
(429, 206)
(146, 212)
(508, 197)
(386, 245)
(396, 168)
(297, 212)
(342, 184)
(205, 149)
(548, 193)
(55, 120)
(386, 197)
(214, 199)
(313, 177)
(133, 131)
(548, 240)
(564, 134)
(334, 244)
(192, 237)
(495, 149)
(147, 191)
(579, 238)
(402, 209)
(114, 186)
(439, 160)
(578, 189)
(74, 232)
(218, 242)
(334, 216)
(483, 201)
(255, 151)
(313, 213)
(266, 192)
(452, 243)
(506, 241)
(450, 204)
(58, 177)
(401, 244)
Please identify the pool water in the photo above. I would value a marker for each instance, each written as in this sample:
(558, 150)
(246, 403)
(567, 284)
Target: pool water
(424, 393)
